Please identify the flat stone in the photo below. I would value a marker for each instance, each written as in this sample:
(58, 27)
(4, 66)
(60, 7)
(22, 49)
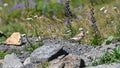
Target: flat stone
(12, 61)
(46, 53)
(14, 39)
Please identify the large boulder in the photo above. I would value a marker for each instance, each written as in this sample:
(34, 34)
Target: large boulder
(69, 61)
(12, 61)
(46, 53)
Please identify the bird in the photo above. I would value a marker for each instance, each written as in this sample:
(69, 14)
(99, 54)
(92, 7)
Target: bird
(78, 37)
(2, 34)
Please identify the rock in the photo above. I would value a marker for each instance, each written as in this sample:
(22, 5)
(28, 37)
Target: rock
(56, 62)
(12, 61)
(14, 39)
(32, 65)
(27, 61)
(69, 61)
(91, 55)
(86, 52)
(113, 65)
(46, 53)
(1, 65)
(29, 66)
(109, 47)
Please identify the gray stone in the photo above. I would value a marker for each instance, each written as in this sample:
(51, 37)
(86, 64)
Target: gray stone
(32, 65)
(109, 47)
(45, 53)
(113, 65)
(27, 61)
(29, 66)
(12, 61)
(69, 61)
(1, 65)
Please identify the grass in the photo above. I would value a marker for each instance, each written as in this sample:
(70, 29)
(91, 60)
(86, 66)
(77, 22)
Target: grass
(2, 39)
(2, 54)
(44, 22)
(45, 64)
(33, 46)
(51, 20)
(108, 57)
(50, 23)
(10, 28)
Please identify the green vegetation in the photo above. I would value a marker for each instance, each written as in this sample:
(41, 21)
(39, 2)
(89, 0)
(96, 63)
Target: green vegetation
(2, 54)
(108, 57)
(108, 40)
(10, 28)
(47, 19)
(2, 39)
(33, 46)
(44, 65)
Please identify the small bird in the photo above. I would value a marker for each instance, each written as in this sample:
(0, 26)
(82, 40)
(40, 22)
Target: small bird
(78, 37)
(2, 34)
